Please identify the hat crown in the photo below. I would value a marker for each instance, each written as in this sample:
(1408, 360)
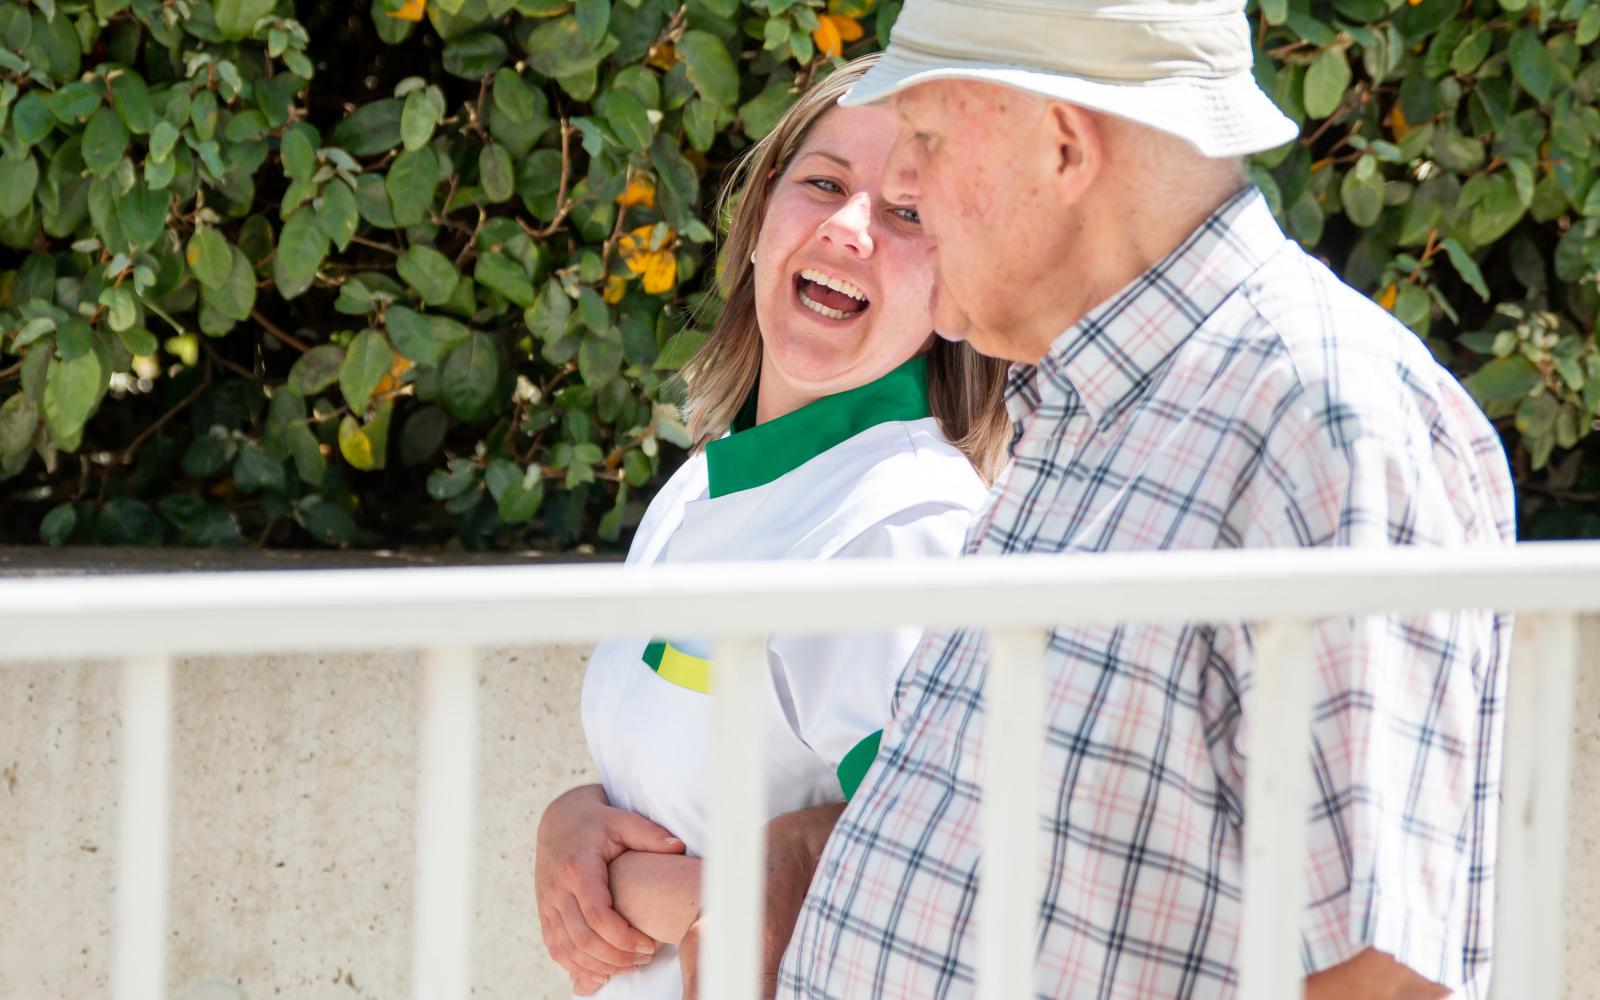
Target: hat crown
(1125, 41)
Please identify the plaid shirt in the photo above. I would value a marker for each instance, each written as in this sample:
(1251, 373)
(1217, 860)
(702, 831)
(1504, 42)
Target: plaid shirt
(1235, 395)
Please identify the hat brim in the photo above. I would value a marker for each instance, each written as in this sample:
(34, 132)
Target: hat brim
(1219, 116)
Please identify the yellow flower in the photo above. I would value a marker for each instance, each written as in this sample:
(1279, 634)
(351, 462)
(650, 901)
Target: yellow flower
(647, 251)
(661, 272)
(411, 10)
(1387, 297)
(1398, 126)
(662, 57)
(641, 191)
(399, 364)
(832, 31)
(616, 286)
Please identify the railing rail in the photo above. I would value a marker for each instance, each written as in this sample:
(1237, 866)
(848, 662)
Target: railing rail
(147, 621)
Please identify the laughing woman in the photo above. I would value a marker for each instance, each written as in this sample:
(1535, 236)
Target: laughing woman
(830, 423)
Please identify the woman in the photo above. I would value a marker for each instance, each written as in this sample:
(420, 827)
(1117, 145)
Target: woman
(830, 423)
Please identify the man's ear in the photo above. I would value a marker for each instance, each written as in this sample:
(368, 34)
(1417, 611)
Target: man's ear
(1077, 150)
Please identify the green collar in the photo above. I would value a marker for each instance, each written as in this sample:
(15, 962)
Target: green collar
(754, 456)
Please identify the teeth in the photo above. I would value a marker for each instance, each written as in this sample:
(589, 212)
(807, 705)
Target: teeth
(818, 307)
(837, 284)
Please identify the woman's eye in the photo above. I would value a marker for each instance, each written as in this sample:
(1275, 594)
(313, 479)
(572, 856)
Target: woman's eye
(823, 184)
(908, 214)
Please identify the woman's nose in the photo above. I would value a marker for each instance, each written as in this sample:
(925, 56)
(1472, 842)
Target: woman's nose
(850, 227)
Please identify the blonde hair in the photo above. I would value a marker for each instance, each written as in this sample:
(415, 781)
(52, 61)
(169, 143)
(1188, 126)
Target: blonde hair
(965, 389)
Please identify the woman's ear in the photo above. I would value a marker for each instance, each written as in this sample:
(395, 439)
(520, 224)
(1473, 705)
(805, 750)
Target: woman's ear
(1078, 150)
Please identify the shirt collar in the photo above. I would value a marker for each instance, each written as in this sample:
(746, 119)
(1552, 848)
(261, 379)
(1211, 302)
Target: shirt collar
(1108, 358)
(754, 456)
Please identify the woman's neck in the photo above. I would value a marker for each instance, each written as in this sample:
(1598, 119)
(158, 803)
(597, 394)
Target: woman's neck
(775, 397)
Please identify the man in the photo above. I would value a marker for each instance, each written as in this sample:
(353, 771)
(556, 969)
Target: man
(1185, 378)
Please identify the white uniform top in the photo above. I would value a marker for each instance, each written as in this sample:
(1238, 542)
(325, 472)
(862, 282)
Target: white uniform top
(864, 473)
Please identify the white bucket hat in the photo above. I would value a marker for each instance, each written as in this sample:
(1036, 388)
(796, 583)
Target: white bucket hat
(1180, 66)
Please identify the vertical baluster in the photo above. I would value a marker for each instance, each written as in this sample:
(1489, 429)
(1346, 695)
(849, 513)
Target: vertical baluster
(736, 843)
(139, 969)
(1277, 790)
(446, 797)
(1529, 878)
(1013, 743)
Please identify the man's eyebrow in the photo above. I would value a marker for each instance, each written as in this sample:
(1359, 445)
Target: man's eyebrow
(841, 161)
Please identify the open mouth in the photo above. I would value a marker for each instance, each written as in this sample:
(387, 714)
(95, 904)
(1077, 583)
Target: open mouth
(828, 296)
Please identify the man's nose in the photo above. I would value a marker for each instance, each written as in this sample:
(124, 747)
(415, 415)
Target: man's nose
(850, 227)
(900, 174)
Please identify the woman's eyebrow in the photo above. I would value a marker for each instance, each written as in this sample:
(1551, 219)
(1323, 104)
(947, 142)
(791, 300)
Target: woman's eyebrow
(841, 161)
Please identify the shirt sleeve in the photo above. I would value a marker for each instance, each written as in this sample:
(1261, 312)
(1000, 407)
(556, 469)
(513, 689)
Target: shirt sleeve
(836, 687)
(1405, 753)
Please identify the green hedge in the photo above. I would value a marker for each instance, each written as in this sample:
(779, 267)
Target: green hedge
(282, 273)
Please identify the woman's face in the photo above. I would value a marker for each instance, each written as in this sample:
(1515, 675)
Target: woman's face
(843, 278)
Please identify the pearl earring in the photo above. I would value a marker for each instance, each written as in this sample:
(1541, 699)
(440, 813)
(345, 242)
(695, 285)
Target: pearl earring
(752, 256)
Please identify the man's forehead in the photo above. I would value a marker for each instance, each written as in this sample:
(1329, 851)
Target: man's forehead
(958, 98)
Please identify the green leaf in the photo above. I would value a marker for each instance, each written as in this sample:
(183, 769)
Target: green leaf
(1496, 212)
(520, 496)
(423, 338)
(1326, 82)
(758, 115)
(677, 351)
(58, 525)
(19, 418)
(31, 118)
(131, 98)
(410, 184)
(301, 248)
(316, 369)
(1504, 379)
(143, 215)
(73, 103)
(627, 118)
(104, 140)
(1465, 266)
(504, 275)
(298, 154)
(254, 471)
(470, 377)
(429, 272)
(512, 96)
(18, 179)
(474, 56)
(495, 172)
(711, 69)
(210, 257)
(236, 296)
(418, 118)
(1589, 24)
(423, 435)
(71, 389)
(557, 49)
(236, 18)
(370, 129)
(366, 362)
(337, 213)
(547, 317)
(1531, 63)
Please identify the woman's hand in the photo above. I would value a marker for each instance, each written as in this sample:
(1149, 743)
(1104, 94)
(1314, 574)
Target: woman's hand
(579, 836)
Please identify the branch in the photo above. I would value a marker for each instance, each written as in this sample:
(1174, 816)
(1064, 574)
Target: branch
(132, 449)
(277, 334)
(563, 204)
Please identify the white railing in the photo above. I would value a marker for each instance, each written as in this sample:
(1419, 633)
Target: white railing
(146, 621)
